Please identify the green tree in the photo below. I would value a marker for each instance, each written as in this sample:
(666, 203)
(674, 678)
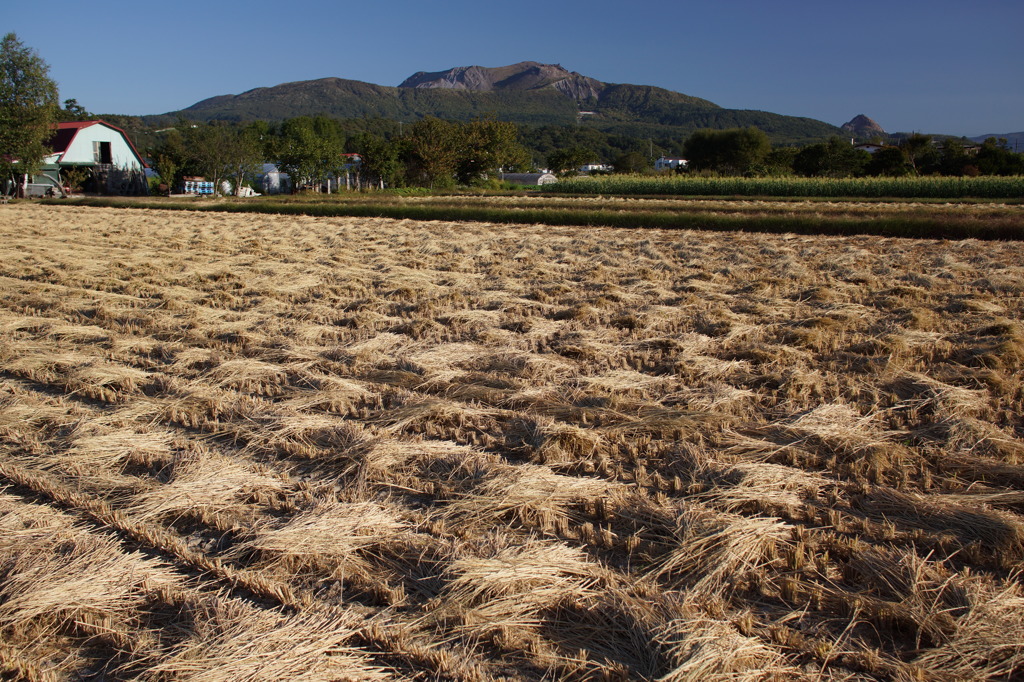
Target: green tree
(74, 177)
(432, 152)
(888, 161)
(73, 111)
(779, 161)
(170, 157)
(206, 151)
(487, 145)
(735, 151)
(380, 159)
(571, 159)
(953, 159)
(631, 162)
(244, 152)
(310, 149)
(835, 158)
(28, 109)
(217, 151)
(920, 153)
(996, 158)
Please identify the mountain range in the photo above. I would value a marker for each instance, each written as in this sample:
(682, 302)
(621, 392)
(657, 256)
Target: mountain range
(527, 93)
(1014, 141)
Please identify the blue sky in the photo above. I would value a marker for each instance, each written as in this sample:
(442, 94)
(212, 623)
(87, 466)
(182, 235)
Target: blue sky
(942, 66)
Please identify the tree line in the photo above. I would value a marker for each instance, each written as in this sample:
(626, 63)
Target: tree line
(312, 150)
(748, 151)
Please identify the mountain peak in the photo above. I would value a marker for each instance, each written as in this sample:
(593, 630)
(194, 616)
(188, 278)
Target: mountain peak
(862, 126)
(521, 76)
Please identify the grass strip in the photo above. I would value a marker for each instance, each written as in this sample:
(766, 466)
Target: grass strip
(730, 204)
(947, 227)
(986, 187)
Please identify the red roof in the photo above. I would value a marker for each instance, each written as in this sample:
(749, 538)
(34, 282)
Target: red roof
(65, 134)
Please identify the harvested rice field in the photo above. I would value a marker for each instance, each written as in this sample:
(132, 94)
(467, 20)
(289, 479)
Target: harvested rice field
(255, 447)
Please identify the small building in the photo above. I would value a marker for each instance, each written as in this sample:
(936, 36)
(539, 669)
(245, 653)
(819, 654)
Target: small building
(869, 147)
(110, 162)
(595, 167)
(272, 180)
(670, 163)
(351, 168)
(529, 178)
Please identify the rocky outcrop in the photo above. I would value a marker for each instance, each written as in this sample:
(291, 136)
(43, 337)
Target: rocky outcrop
(459, 78)
(521, 76)
(864, 127)
(579, 88)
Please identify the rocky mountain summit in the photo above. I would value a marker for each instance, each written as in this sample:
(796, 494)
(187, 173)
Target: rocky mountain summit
(862, 126)
(521, 76)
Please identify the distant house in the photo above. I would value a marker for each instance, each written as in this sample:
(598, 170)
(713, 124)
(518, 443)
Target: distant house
(592, 167)
(111, 162)
(529, 178)
(272, 180)
(670, 163)
(869, 147)
(353, 164)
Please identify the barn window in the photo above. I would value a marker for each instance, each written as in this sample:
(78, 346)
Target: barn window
(101, 152)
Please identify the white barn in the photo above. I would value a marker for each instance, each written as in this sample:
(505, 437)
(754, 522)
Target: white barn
(104, 150)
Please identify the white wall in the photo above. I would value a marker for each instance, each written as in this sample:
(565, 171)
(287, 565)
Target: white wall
(80, 150)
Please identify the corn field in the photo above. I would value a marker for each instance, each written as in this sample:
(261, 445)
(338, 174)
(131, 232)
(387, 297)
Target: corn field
(286, 447)
(988, 187)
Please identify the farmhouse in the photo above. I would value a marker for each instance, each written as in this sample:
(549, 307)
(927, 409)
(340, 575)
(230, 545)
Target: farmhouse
(669, 163)
(101, 155)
